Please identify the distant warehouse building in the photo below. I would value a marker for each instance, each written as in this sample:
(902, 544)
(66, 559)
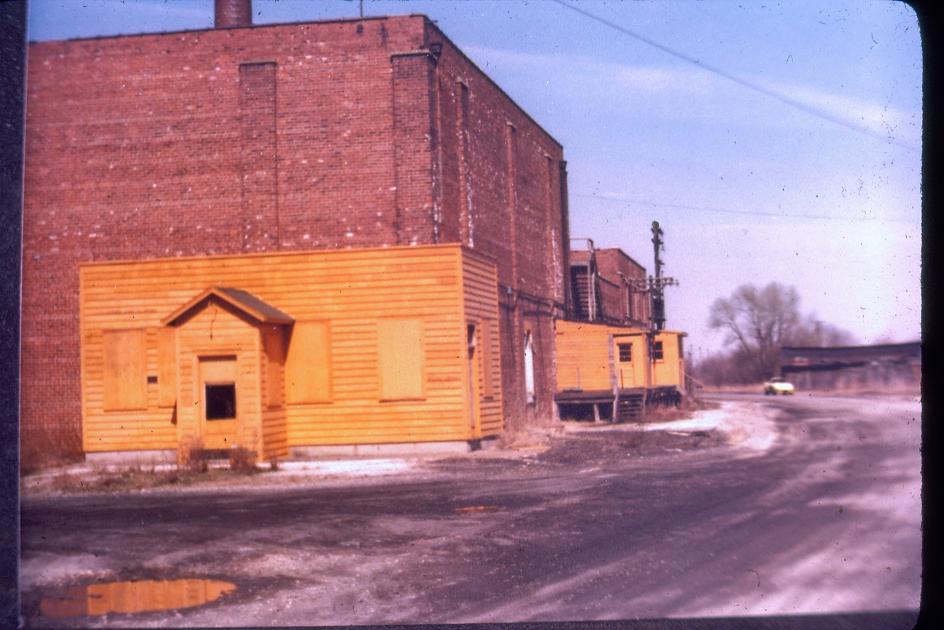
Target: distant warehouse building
(853, 367)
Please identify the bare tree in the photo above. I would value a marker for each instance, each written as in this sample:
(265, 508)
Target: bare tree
(759, 321)
(815, 332)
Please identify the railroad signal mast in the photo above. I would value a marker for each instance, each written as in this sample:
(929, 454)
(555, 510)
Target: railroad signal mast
(658, 283)
(654, 285)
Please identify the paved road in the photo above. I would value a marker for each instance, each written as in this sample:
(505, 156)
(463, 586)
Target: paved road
(605, 525)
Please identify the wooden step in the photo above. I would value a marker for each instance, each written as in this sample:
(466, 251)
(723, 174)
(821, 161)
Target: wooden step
(630, 408)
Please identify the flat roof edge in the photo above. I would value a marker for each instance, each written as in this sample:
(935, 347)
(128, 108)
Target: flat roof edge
(91, 264)
(432, 24)
(229, 28)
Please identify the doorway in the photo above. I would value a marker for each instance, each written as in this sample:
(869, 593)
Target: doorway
(219, 409)
(474, 370)
(626, 361)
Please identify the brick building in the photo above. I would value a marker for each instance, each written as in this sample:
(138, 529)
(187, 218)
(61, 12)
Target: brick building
(608, 285)
(245, 139)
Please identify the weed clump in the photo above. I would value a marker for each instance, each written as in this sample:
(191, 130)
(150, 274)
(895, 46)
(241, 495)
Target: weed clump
(195, 458)
(242, 460)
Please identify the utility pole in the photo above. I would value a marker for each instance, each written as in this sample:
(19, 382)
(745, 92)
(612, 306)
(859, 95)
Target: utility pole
(654, 285)
(657, 284)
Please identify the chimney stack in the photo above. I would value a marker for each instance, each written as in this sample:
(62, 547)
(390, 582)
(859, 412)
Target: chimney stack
(233, 13)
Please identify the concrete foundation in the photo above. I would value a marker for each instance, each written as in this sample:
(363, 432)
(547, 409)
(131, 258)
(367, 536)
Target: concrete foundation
(331, 451)
(132, 458)
(386, 450)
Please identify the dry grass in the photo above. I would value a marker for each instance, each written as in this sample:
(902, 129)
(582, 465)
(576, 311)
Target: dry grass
(42, 449)
(132, 478)
(193, 468)
(242, 460)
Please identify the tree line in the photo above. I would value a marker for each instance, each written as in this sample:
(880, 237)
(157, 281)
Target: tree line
(756, 323)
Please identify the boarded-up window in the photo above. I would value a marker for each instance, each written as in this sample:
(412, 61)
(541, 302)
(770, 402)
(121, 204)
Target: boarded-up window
(400, 357)
(274, 358)
(308, 364)
(166, 366)
(488, 373)
(125, 370)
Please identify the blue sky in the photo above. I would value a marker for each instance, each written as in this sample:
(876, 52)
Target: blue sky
(821, 192)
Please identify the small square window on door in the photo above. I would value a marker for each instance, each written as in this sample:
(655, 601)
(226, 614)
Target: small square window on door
(625, 352)
(220, 401)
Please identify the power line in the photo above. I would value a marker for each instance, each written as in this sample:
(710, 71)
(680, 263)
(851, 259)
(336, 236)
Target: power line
(658, 204)
(736, 79)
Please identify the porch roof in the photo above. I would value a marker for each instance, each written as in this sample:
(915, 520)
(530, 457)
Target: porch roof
(239, 299)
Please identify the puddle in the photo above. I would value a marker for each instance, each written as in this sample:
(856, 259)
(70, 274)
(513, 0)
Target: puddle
(132, 597)
(471, 509)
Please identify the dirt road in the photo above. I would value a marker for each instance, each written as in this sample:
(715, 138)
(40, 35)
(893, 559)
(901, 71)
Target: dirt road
(788, 506)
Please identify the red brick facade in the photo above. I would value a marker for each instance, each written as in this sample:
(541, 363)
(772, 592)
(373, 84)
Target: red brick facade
(289, 137)
(608, 286)
(622, 301)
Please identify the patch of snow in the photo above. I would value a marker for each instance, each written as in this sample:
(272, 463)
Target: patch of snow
(747, 425)
(347, 467)
(42, 568)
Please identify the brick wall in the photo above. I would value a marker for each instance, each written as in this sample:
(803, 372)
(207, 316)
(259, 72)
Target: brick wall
(500, 187)
(316, 135)
(621, 303)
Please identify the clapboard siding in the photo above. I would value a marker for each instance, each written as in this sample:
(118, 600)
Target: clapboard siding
(583, 356)
(272, 368)
(671, 369)
(587, 357)
(151, 428)
(480, 290)
(231, 335)
(440, 286)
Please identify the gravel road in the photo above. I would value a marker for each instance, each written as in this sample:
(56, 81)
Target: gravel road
(787, 506)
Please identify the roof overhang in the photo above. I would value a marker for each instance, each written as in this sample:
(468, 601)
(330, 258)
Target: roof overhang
(243, 301)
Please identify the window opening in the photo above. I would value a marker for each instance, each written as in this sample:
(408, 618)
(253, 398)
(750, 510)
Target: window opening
(656, 350)
(529, 367)
(220, 401)
(625, 352)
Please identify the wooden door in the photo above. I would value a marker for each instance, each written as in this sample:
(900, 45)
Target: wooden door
(474, 369)
(625, 366)
(219, 397)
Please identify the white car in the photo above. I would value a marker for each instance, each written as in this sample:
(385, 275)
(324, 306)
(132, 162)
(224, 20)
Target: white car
(777, 385)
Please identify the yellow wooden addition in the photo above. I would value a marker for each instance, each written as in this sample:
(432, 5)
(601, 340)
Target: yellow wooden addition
(599, 357)
(273, 351)
(668, 360)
